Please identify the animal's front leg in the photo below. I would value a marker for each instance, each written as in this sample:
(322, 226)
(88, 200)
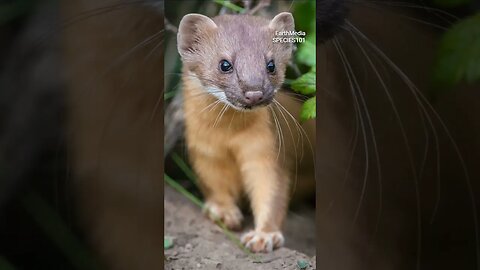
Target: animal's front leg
(267, 187)
(221, 186)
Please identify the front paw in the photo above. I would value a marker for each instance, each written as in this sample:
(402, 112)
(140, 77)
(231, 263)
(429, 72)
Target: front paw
(231, 216)
(258, 241)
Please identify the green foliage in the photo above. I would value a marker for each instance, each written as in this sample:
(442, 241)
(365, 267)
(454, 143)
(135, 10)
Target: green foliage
(174, 184)
(305, 84)
(459, 54)
(302, 264)
(306, 53)
(58, 232)
(309, 109)
(304, 14)
(184, 167)
(167, 243)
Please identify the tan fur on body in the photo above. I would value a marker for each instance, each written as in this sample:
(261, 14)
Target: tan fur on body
(237, 150)
(234, 152)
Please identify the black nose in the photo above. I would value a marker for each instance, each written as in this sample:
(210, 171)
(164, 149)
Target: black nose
(253, 97)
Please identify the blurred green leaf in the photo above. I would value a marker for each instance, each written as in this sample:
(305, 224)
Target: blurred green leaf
(182, 190)
(302, 264)
(305, 20)
(305, 84)
(170, 94)
(306, 53)
(58, 232)
(459, 54)
(309, 109)
(184, 167)
(167, 243)
(304, 14)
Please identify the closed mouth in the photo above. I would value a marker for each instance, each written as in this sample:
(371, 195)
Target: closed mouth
(243, 107)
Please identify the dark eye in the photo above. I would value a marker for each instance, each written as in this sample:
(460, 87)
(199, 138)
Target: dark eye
(271, 66)
(225, 66)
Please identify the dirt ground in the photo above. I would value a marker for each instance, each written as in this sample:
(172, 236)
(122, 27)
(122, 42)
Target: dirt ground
(199, 244)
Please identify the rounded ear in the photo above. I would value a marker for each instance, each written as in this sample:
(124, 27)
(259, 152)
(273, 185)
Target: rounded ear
(193, 27)
(282, 22)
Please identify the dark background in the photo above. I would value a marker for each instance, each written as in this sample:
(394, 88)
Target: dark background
(39, 225)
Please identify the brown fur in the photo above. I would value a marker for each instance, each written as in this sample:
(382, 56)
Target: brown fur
(233, 150)
(122, 215)
(115, 136)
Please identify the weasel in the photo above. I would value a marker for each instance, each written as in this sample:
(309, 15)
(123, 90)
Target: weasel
(231, 73)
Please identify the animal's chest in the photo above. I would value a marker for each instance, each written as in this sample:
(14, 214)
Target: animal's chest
(229, 135)
(207, 141)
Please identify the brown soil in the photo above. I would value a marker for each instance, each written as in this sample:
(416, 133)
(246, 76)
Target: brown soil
(199, 244)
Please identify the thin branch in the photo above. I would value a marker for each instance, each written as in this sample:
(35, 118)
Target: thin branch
(247, 4)
(261, 4)
(170, 27)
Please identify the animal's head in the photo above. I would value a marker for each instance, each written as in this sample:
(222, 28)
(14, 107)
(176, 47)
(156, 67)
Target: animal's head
(235, 56)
